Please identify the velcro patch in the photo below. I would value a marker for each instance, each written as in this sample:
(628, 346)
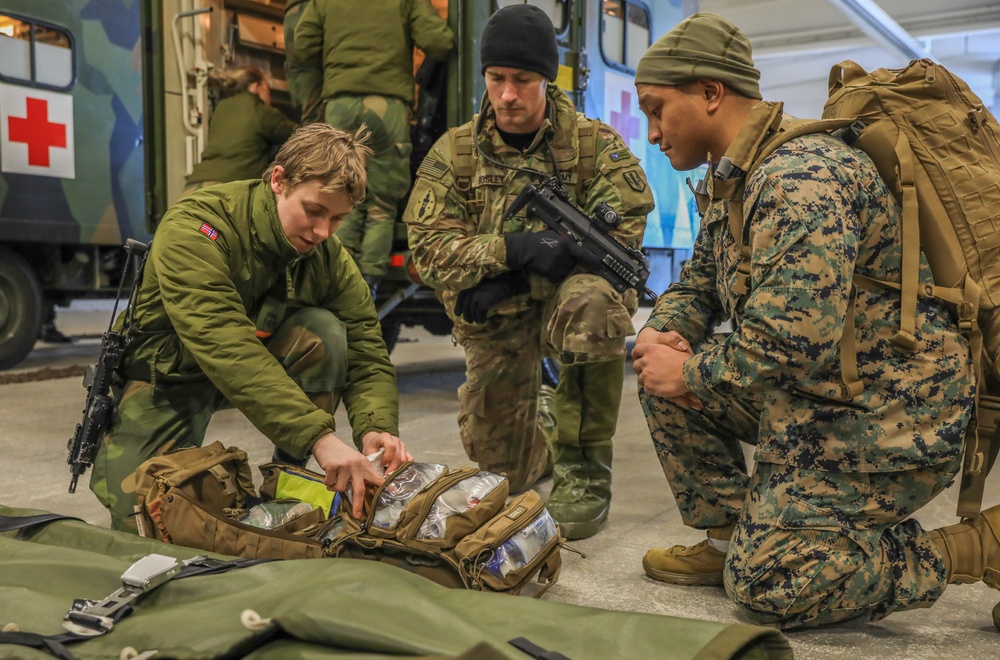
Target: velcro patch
(490, 180)
(209, 230)
(427, 206)
(432, 168)
(635, 180)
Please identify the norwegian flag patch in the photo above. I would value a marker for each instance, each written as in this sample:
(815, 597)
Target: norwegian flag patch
(209, 230)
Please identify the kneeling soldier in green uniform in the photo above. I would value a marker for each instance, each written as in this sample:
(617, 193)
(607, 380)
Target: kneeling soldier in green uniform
(248, 302)
(821, 530)
(513, 288)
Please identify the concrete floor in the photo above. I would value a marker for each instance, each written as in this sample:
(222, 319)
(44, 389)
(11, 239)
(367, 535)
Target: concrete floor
(37, 418)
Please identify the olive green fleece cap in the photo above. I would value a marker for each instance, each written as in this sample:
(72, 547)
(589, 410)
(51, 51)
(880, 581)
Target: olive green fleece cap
(701, 46)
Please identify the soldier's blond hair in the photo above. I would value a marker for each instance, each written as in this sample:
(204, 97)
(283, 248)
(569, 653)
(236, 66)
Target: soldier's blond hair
(334, 157)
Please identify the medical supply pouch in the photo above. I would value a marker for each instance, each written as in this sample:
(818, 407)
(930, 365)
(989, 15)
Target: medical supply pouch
(454, 527)
(204, 497)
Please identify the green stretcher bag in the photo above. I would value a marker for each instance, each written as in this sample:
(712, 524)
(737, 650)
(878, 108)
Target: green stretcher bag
(291, 609)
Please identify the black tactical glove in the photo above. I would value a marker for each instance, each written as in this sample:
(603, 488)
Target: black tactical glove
(474, 303)
(544, 253)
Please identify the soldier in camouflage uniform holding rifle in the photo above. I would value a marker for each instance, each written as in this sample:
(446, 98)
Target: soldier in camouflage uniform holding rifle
(820, 532)
(513, 288)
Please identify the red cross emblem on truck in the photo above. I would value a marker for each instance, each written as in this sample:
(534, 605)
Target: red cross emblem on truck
(37, 132)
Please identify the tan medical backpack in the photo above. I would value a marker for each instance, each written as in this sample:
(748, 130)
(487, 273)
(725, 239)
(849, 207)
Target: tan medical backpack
(456, 527)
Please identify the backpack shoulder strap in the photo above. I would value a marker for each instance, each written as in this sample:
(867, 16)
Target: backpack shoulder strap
(586, 132)
(463, 160)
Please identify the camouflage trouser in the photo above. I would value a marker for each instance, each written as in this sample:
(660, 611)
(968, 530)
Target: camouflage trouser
(305, 82)
(810, 547)
(312, 346)
(368, 230)
(585, 321)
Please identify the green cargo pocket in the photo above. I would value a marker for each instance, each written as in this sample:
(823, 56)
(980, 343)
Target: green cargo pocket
(619, 324)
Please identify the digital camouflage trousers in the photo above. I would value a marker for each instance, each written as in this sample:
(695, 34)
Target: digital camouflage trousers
(312, 346)
(811, 547)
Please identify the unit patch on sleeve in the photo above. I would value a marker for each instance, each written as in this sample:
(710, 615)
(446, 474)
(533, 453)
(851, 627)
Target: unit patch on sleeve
(209, 230)
(634, 179)
(427, 206)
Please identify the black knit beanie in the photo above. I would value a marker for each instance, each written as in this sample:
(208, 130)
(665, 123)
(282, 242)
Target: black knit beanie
(521, 37)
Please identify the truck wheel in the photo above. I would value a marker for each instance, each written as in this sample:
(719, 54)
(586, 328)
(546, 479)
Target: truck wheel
(20, 308)
(390, 332)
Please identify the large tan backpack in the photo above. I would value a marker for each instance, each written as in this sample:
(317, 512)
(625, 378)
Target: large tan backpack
(936, 146)
(456, 527)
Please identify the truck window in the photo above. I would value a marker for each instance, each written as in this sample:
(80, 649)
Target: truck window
(624, 33)
(35, 53)
(557, 10)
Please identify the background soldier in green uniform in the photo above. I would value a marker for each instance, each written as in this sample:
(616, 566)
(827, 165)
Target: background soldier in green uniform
(245, 302)
(821, 531)
(305, 81)
(512, 289)
(366, 51)
(243, 134)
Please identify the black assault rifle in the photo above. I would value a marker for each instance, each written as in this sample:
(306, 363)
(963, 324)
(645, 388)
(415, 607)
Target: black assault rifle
(99, 409)
(624, 267)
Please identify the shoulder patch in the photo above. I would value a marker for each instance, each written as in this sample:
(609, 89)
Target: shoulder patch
(432, 168)
(635, 180)
(209, 230)
(621, 154)
(427, 206)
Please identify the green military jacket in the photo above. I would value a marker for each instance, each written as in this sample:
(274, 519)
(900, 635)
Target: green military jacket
(367, 47)
(215, 257)
(456, 235)
(816, 214)
(242, 134)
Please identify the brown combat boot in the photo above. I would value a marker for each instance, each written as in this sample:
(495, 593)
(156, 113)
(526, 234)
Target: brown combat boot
(695, 565)
(971, 549)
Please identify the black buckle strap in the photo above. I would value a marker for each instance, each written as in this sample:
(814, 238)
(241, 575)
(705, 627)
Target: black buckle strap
(534, 650)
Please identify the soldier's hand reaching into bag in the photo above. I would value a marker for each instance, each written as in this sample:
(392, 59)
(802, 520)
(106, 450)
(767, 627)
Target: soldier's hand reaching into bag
(345, 467)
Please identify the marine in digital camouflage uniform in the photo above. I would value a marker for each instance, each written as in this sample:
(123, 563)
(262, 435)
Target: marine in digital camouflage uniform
(459, 241)
(243, 303)
(818, 533)
(366, 52)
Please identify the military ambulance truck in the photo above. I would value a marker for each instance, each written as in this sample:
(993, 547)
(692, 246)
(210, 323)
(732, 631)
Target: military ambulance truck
(105, 104)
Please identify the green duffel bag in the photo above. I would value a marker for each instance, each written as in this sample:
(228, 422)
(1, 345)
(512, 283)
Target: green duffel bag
(307, 609)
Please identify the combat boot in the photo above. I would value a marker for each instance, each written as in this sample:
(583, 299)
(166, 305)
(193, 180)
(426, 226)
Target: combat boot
(971, 548)
(587, 402)
(699, 564)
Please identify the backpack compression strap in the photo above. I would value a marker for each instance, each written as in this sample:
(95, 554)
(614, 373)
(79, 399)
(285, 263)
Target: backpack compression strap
(464, 158)
(770, 132)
